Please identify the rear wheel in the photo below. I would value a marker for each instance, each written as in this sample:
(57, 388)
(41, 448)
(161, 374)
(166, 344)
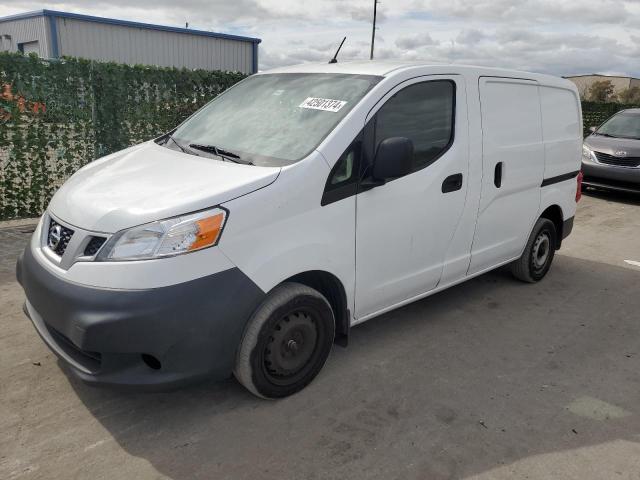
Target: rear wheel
(538, 254)
(286, 342)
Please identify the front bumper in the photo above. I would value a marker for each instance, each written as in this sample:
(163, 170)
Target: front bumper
(190, 330)
(612, 177)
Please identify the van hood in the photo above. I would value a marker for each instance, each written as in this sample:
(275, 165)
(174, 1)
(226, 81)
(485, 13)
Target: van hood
(611, 145)
(149, 182)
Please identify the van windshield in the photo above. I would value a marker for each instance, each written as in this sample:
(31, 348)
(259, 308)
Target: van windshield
(273, 119)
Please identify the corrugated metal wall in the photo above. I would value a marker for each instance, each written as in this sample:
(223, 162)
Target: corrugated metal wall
(133, 45)
(25, 30)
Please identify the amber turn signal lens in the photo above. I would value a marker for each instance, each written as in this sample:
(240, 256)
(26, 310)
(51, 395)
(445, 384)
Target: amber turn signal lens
(208, 231)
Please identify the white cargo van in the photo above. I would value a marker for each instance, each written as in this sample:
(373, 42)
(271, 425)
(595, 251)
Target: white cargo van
(300, 202)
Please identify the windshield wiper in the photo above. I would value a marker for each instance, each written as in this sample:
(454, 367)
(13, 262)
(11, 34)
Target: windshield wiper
(607, 135)
(170, 137)
(225, 154)
(214, 149)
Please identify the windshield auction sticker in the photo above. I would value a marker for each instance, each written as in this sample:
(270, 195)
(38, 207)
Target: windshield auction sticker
(324, 104)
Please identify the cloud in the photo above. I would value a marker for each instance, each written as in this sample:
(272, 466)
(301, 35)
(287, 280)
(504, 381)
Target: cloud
(552, 36)
(364, 13)
(556, 11)
(470, 37)
(411, 42)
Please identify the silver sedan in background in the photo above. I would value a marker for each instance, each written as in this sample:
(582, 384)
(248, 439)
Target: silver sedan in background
(611, 154)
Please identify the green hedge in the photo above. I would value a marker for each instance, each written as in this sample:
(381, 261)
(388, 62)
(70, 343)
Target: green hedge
(57, 116)
(593, 114)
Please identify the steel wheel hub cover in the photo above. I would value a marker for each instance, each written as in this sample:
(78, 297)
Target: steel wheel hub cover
(541, 249)
(291, 344)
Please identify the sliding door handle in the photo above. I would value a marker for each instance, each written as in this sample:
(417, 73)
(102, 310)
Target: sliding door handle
(497, 175)
(452, 183)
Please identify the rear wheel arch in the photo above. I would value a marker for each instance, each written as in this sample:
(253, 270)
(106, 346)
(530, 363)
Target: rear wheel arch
(554, 213)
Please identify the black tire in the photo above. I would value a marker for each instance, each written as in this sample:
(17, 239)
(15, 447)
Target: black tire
(286, 342)
(536, 259)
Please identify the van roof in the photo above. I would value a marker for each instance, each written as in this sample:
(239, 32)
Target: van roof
(388, 68)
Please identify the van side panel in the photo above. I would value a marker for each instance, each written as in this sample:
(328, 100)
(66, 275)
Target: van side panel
(562, 134)
(562, 194)
(513, 153)
(561, 130)
(276, 233)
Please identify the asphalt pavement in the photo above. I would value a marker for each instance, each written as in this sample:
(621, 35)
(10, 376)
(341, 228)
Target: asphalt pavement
(491, 379)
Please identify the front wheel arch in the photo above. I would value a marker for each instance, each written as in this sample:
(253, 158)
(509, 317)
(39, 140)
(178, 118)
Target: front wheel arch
(333, 290)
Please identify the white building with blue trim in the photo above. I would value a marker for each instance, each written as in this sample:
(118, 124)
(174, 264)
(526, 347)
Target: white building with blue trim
(53, 34)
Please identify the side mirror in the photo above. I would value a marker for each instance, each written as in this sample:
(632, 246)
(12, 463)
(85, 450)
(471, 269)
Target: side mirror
(394, 158)
(593, 129)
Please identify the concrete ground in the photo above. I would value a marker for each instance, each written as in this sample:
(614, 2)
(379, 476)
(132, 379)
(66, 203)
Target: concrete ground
(492, 379)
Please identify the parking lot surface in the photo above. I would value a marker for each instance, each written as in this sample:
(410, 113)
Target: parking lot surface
(491, 379)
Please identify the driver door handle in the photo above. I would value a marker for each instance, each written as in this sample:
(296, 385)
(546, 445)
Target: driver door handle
(452, 183)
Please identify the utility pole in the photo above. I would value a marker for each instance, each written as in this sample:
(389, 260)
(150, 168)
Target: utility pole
(373, 30)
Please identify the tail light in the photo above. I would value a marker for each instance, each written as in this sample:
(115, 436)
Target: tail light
(579, 189)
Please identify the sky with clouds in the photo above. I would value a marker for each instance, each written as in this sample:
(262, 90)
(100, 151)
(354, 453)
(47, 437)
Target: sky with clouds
(561, 37)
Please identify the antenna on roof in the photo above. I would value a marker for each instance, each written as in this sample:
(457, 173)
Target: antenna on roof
(373, 29)
(335, 57)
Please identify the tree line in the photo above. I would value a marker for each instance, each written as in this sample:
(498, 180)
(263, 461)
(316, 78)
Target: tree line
(603, 91)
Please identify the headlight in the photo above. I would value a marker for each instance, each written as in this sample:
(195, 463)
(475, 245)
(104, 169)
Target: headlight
(587, 154)
(165, 238)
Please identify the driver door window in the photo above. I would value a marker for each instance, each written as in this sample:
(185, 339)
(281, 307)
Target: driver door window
(424, 113)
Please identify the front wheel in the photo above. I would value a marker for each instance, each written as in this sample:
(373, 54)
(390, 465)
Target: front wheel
(286, 342)
(538, 254)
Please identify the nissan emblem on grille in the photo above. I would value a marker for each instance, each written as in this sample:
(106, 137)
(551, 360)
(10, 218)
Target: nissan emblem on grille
(55, 235)
(58, 237)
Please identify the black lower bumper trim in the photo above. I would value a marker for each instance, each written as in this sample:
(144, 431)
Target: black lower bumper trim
(611, 177)
(193, 328)
(612, 185)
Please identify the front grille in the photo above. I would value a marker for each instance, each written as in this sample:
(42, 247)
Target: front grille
(619, 161)
(58, 237)
(94, 246)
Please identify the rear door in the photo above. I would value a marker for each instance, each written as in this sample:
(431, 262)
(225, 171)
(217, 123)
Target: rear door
(513, 168)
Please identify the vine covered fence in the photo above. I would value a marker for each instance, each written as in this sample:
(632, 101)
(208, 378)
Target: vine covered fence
(56, 116)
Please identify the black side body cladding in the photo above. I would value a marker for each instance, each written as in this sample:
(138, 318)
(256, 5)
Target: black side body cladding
(567, 226)
(559, 178)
